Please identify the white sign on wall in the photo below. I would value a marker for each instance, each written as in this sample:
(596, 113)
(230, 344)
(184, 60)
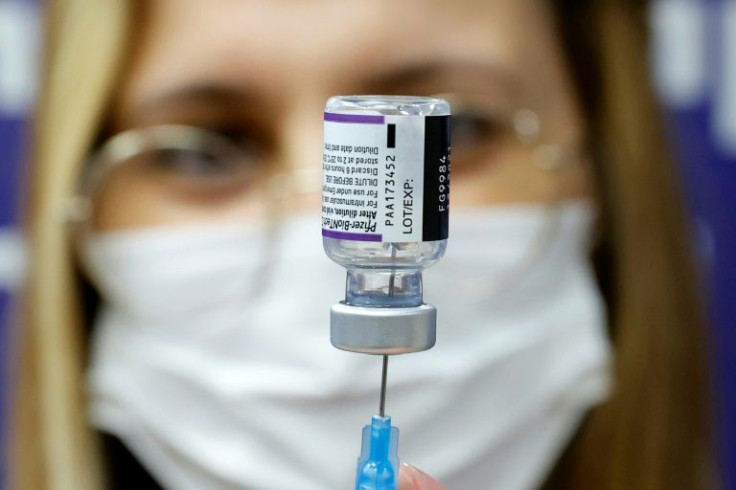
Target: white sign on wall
(19, 44)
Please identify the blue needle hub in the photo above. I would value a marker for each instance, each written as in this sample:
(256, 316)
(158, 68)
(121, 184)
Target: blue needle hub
(378, 465)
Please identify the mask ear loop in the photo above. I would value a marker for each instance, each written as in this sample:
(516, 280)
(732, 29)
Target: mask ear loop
(548, 158)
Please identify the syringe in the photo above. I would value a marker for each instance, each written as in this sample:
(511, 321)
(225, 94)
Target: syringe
(385, 207)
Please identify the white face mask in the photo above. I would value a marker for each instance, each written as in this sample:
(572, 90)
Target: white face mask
(217, 373)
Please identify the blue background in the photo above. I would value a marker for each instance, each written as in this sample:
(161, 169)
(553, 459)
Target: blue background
(694, 60)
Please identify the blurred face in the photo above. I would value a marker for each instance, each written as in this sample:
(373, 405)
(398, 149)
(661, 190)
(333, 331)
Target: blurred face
(258, 73)
(220, 112)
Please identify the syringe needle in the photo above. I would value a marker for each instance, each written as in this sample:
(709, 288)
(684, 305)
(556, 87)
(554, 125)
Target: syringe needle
(384, 375)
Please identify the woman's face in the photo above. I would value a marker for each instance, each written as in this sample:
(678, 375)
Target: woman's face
(260, 71)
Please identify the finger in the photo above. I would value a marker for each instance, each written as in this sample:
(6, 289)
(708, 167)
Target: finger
(411, 478)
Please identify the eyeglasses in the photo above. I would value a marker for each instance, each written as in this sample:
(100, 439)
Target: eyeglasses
(166, 173)
(171, 175)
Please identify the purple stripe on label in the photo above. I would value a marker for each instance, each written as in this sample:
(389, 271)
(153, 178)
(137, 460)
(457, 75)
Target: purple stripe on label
(354, 118)
(358, 237)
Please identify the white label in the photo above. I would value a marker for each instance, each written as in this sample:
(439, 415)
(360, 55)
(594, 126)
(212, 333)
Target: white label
(373, 177)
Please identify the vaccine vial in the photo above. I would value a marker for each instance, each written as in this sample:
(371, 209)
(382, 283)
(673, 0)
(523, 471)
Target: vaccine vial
(385, 209)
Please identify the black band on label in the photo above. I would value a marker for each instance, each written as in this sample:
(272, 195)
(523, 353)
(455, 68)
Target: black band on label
(391, 136)
(436, 178)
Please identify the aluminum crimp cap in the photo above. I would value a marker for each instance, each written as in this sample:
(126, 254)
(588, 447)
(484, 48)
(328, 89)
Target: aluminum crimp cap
(385, 331)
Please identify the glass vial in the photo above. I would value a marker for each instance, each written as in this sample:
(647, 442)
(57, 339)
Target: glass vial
(385, 194)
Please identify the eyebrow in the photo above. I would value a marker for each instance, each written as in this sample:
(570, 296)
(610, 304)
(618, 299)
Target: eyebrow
(388, 80)
(213, 93)
(443, 69)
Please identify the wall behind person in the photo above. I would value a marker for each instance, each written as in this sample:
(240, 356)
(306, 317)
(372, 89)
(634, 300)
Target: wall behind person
(19, 28)
(18, 63)
(694, 59)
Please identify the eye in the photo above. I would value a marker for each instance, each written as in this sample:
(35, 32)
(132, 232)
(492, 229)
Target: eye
(475, 129)
(207, 154)
(199, 162)
(196, 163)
(243, 137)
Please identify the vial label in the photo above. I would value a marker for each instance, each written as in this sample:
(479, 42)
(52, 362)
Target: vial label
(386, 178)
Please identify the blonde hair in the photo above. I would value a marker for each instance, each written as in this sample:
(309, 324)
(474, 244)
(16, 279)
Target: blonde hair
(651, 435)
(654, 432)
(52, 445)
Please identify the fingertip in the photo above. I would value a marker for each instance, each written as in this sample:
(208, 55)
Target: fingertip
(411, 478)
